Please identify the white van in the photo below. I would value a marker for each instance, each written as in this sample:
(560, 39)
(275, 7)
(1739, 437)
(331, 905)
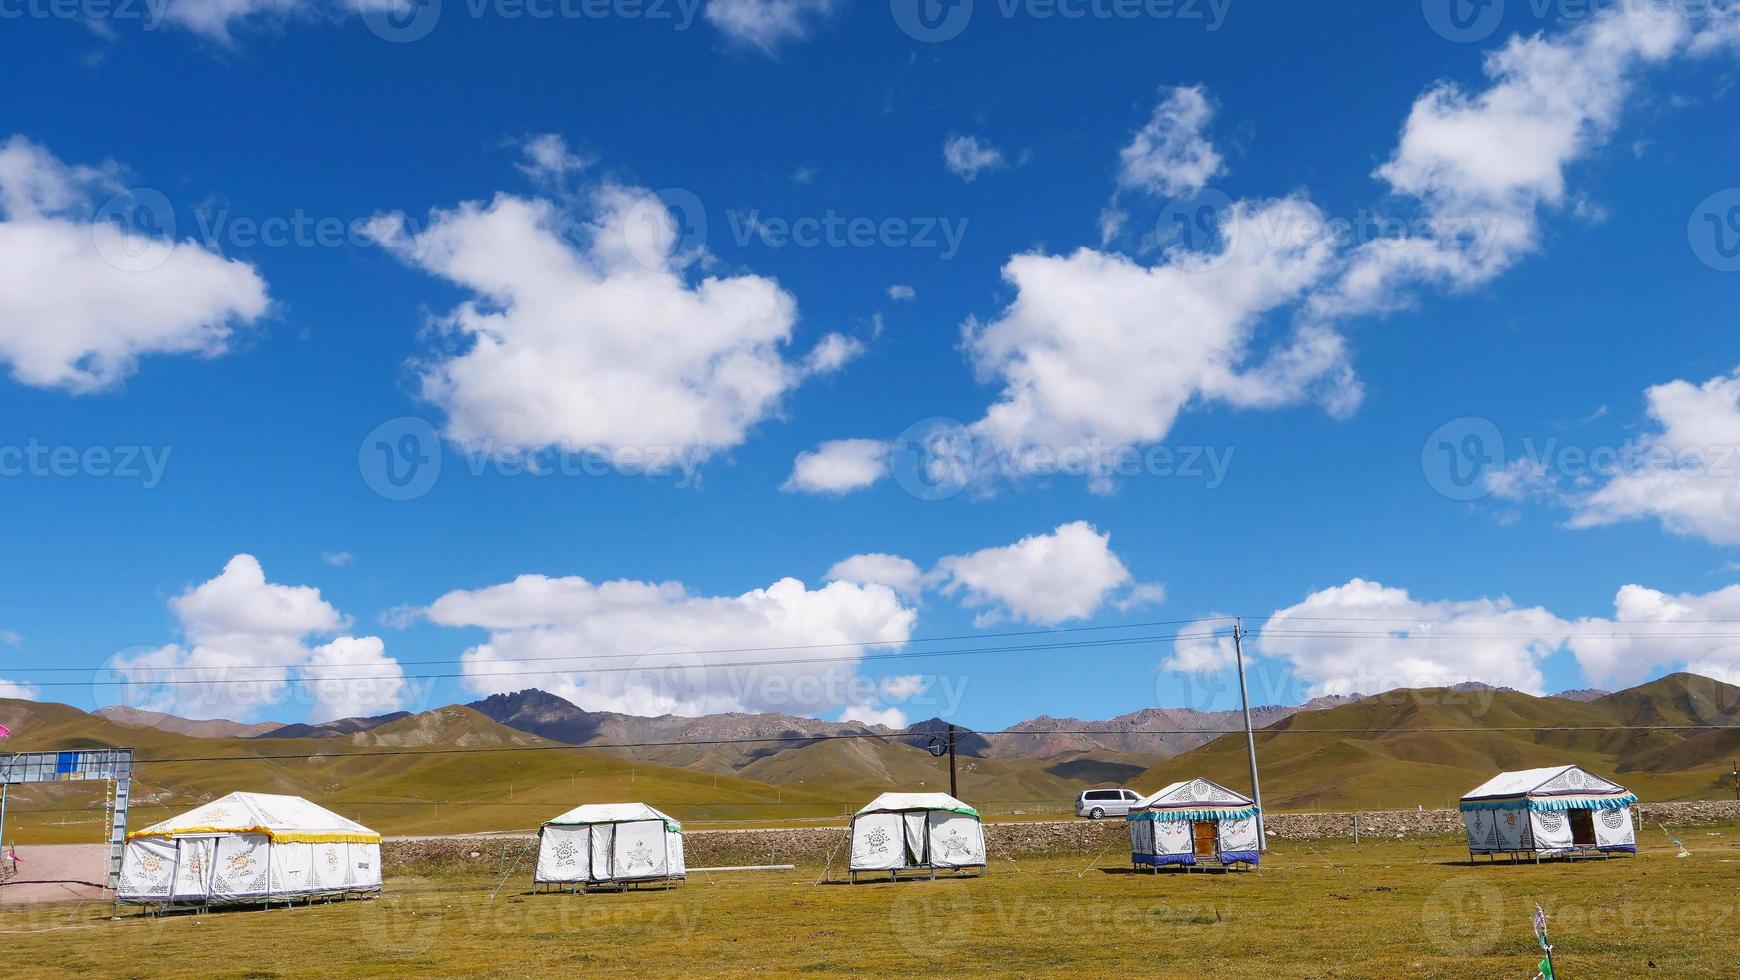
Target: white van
(1097, 803)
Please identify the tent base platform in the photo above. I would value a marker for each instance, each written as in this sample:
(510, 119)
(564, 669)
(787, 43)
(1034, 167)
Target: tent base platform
(590, 887)
(196, 906)
(1200, 864)
(925, 873)
(1567, 855)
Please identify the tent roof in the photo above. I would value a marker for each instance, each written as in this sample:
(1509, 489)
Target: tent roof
(591, 813)
(1195, 794)
(1550, 781)
(283, 819)
(901, 802)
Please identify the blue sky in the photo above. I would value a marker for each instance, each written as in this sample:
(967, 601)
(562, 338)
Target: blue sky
(1561, 283)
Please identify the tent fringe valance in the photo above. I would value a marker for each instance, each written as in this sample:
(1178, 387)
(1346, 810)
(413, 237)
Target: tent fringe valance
(1553, 803)
(275, 836)
(1213, 813)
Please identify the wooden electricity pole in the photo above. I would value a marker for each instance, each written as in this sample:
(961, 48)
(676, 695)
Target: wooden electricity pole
(952, 790)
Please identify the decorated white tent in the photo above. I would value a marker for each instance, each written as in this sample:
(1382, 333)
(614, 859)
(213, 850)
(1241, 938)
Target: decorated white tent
(614, 844)
(1194, 821)
(1549, 812)
(249, 848)
(916, 832)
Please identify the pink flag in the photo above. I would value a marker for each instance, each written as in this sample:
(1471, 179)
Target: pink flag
(5, 732)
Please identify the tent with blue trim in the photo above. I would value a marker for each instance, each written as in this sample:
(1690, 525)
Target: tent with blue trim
(1558, 810)
(1192, 822)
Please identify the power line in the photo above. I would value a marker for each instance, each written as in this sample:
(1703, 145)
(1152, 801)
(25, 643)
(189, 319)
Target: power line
(304, 677)
(705, 653)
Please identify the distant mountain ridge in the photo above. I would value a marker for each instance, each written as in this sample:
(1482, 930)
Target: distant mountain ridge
(195, 728)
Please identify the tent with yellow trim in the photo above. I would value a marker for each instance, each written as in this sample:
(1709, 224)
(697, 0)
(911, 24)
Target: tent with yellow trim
(250, 847)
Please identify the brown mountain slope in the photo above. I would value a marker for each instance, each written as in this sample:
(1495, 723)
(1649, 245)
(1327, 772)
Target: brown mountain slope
(212, 728)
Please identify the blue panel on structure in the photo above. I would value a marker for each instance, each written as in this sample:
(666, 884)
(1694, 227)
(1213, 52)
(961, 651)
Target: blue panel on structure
(66, 762)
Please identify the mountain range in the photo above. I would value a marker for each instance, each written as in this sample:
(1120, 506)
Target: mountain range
(510, 760)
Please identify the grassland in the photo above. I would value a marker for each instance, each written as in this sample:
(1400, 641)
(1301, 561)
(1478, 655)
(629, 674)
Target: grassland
(1397, 908)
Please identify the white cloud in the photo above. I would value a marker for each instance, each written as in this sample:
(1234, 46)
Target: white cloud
(968, 156)
(1170, 155)
(19, 690)
(1203, 647)
(1686, 473)
(1484, 165)
(585, 331)
(647, 642)
(901, 291)
(891, 717)
(247, 646)
(1043, 578)
(833, 352)
(218, 19)
(1142, 594)
(81, 300)
(549, 161)
(1097, 348)
(767, 24)
(839, 467)
(337, 559)
(11, 638)
(1386, 639)
(1647, 618)
(900, 574)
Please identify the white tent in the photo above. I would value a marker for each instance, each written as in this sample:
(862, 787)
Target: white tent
(1193, 821)
(916, 831)
(1549, 812)
(610, 844)
(250, 847)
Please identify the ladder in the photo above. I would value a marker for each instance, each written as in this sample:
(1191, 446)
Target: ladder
(120, 788)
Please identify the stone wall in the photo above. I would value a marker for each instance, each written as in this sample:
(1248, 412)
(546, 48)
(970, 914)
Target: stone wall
(1083, 838)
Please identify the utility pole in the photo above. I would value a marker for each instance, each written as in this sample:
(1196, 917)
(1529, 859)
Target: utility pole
(1737, 780)
(952, 790)
(1250, 736)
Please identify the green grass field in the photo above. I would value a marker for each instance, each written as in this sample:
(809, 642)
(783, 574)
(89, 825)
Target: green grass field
(1391, 909)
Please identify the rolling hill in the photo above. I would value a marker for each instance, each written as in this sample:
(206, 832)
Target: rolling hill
(1385, 751)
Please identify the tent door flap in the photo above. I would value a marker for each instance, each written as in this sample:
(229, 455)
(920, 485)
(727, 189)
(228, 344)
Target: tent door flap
(1202, 834)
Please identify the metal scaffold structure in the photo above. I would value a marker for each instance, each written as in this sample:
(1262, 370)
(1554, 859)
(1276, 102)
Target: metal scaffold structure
(113, 766)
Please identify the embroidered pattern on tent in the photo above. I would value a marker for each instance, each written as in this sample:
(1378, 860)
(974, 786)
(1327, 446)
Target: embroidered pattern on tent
(954, 843)
(878, 841)
(1551, 821)
(640, 854)
(1614, 819)
(565, 852)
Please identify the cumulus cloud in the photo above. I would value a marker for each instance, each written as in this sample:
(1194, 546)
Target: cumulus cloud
(81, 299)
(870, 715)
(1203, 647)
(651, 648)
(585, 329)
(767, 24)
(1171, 155)
(1098, 348)
(1685, 474)
(1365, 637)
(839, 467)
(247, 644)
(901, 291)
(1639, 639)
(1484, 165)
(1043, 578)
(968, 156)
(900, 574)
(218, 20)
